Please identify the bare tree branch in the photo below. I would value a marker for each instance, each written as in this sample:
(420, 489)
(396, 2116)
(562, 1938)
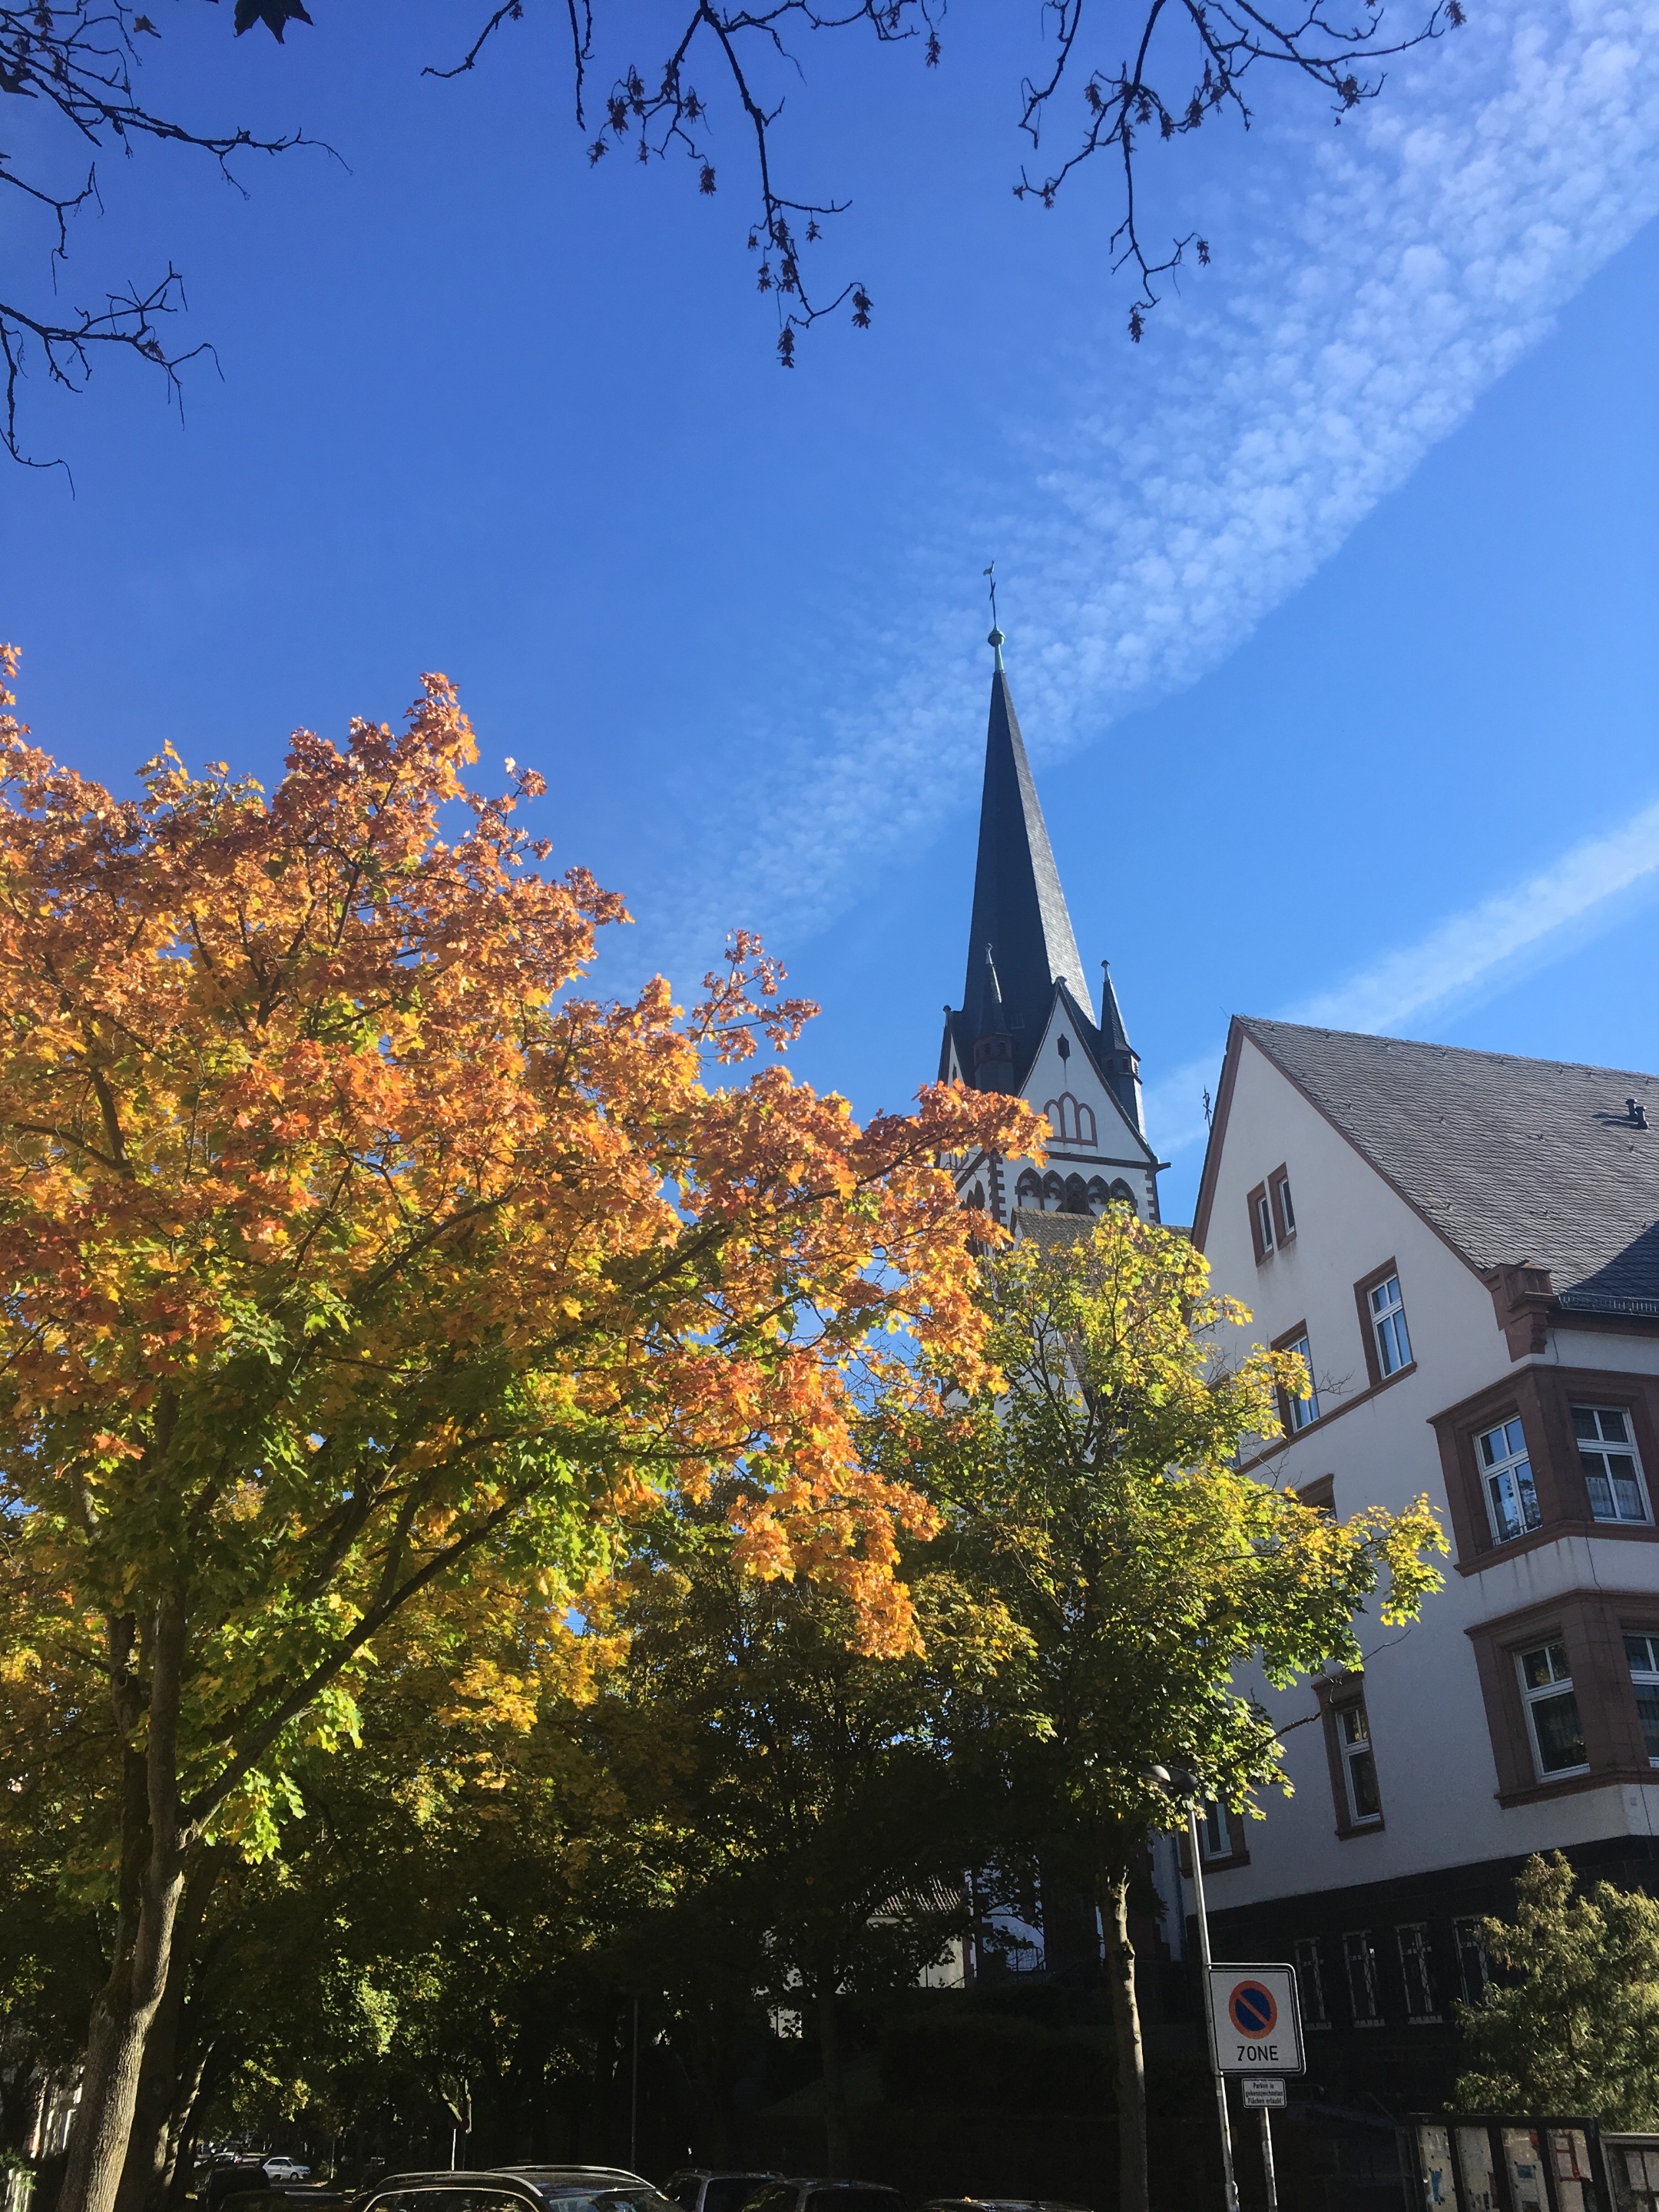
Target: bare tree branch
(76, 58)
(1327, 42)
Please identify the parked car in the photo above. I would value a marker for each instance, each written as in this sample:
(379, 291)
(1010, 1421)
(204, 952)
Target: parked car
(235, 2180)
(1000, 2205)
(809, 2193)
(515, 2189)
(704, 2188)
(285, 2169)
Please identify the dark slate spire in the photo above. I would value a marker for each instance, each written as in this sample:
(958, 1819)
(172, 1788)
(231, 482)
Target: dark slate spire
(1019, 909)
(1120, 1063)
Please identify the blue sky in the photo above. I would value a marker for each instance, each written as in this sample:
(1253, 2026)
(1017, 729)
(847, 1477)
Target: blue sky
(1330, 607)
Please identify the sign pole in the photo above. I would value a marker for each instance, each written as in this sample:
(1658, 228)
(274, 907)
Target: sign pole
(1268, 2159)
(1204, 1955)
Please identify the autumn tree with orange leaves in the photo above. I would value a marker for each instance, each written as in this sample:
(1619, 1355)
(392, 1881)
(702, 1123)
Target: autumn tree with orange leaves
(354, 1265)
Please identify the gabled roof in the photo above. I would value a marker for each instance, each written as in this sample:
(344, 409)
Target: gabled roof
(1512, 1161)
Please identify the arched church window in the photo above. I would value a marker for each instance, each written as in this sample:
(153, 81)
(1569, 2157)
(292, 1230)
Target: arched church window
(1053, 1193)
(1120, 1194)
(977, 1197)
(1071, 1122)
(1028, 1189)
(1077, 1197)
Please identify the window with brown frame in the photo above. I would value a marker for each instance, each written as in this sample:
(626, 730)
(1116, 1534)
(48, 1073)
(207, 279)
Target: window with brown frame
(1298, 1414)
(1221, 1837)
(1549, 1452)
(1319, 1495)
(1278, 1190)
(1382, 1330)
(1262, 1223)
(1571, 1692)
(1355, 1794)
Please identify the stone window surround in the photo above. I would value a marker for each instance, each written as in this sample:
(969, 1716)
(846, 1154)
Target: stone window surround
(1293, 1428)
(1591, 1624)
(1222, 1862)
(1334, 1691)
(1543, 1397)
(1362, 1297)
(1254, 1202)
(1278, 1183)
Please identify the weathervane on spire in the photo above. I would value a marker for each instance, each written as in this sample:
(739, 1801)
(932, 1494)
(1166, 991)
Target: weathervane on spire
(996, 641)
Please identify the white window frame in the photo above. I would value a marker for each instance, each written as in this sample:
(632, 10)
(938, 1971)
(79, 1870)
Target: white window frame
(1473, 1966)
(1214, 1831)
(1358, 1949)
(1606, 1450)
(1310, 1982)
(1351, 1747)
(1282, 1189)
(1388, 1331)
(1534, 1694)
(1412, 1941)
(1508, 1465)
(1264, 1222)
(1304, 1411)
(1641, 1655)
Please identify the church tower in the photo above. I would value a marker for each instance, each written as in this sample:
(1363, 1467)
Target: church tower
(1025, 1024)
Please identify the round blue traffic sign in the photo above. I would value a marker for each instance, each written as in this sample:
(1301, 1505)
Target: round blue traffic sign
(1253, 2010)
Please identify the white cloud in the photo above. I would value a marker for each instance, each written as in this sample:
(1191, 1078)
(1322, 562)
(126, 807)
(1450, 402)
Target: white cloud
(1438, 240)
(1472, 952)
(1472, 948)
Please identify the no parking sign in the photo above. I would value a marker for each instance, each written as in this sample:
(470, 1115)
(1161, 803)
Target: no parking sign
(1255, 2022)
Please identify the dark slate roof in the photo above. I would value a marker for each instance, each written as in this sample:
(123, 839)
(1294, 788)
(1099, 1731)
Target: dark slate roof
(1019, 909)
(1519, 1162)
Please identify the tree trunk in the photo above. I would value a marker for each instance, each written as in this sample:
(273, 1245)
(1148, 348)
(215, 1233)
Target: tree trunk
(1132, 2183)
(837, 2131)
(153, 1877)
(159, 2109)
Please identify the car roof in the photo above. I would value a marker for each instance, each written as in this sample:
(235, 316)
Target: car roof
(837, 2181)
(571, 2174)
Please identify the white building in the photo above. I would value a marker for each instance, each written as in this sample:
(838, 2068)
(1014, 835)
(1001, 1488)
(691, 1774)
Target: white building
(1465, 1247)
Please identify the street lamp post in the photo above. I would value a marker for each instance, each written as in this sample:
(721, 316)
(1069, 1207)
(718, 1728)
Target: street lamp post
(1181, 1785)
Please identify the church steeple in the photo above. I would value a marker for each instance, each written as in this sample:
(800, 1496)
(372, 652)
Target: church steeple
(1019, 909)
(1027, 1024)
(1120, 1063)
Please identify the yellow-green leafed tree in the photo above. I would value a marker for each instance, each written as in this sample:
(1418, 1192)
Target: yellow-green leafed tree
(355, 1263)
(1095, 1495)
(1574, 2026)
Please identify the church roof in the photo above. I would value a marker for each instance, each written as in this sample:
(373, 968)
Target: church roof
(1019, 909)
(1513, 1161)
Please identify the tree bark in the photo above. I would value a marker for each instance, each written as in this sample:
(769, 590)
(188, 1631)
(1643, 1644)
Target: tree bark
(159, 2109)
(837, 2129)
(1131, 2057)
(153, 1877)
